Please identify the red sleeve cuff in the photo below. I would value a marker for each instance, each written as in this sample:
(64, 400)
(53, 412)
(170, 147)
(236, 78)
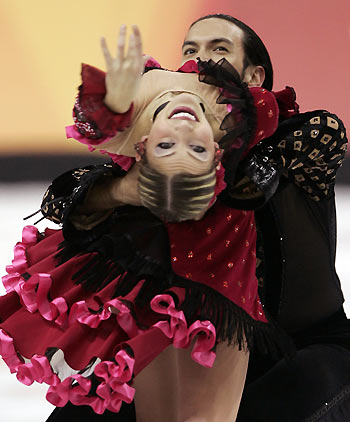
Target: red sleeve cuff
(90, 109)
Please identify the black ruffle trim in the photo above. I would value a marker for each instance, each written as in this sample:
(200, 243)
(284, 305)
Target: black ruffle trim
(240, 122)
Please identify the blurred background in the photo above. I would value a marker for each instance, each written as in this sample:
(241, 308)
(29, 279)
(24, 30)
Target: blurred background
(43, 44)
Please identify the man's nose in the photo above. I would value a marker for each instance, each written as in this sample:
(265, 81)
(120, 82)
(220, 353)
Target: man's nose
(203, 55)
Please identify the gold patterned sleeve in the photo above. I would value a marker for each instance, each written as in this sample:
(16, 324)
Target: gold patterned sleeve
(307, 148)
(313, 151)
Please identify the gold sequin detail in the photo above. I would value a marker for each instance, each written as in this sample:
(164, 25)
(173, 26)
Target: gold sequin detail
(332, 123)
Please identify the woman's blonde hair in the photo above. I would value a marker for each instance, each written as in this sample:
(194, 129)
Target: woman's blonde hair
(178, 197)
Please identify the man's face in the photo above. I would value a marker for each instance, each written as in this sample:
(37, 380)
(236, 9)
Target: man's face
(215, 39)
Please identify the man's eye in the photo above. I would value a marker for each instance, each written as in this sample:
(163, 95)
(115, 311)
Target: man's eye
(189, 51)
(198, 148)
(165, 145)
(220, 48)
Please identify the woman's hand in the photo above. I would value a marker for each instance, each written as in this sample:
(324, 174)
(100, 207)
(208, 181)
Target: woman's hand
(124, 72)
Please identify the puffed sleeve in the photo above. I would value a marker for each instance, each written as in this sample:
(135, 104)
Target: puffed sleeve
(307, 148)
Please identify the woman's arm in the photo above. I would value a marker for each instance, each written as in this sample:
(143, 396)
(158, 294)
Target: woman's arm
(87, 196)
(104, 102)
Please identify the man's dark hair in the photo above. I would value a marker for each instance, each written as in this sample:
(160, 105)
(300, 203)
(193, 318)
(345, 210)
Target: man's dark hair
(255, 52)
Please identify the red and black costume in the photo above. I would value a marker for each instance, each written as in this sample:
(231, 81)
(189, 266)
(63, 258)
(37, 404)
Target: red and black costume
(88, 310)
(298, 281)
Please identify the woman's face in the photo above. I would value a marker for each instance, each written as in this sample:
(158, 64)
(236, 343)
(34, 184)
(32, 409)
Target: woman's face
(181, 139)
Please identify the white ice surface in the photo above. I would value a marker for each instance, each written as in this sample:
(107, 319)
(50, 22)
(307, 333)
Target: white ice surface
(20, 403)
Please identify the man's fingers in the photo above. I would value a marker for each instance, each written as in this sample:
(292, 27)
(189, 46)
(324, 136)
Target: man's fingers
(106, 53)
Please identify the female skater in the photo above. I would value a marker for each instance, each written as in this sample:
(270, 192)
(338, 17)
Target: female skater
(96, 320)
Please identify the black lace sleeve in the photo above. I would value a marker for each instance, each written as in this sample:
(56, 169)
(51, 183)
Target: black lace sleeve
(69, 190)
(307, 148)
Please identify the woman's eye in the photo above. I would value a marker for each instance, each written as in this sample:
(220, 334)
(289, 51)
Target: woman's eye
(198, 148)
(165, 145)
(189, 51)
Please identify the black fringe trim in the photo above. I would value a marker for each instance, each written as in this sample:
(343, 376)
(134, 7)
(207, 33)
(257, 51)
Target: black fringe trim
(115, 255)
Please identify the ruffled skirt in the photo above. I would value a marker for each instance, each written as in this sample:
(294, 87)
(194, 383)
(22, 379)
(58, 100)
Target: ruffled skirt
(88, 345)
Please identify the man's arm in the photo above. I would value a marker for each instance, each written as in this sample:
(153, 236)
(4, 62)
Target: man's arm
(307, 148)
(313, 152)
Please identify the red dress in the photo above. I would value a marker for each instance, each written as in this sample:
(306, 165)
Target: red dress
(88, 319)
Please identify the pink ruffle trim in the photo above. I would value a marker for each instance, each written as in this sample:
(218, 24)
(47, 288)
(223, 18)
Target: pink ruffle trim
(116, 376)
(109, 394)
(181, 335)
(114, 389)
(34, 294)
